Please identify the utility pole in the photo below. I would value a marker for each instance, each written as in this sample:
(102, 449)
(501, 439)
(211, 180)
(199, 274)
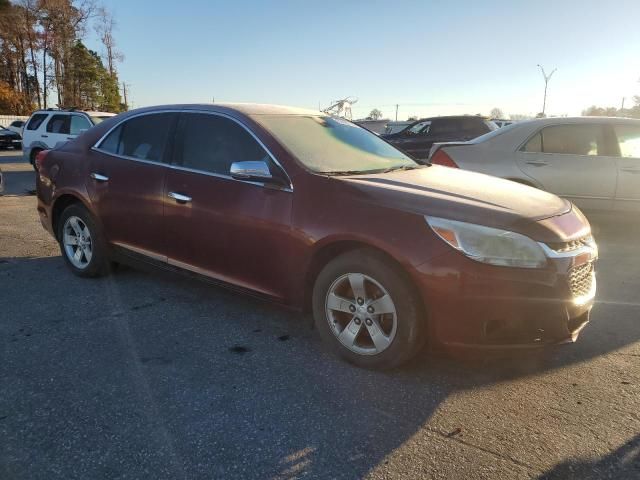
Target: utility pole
(546, 83)
(396, 112)
(124, 94)
(622, 106)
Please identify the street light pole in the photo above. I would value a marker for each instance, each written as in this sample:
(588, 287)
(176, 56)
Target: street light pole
(546, 83)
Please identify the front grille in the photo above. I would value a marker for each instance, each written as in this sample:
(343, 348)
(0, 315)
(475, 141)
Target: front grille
(581, 280)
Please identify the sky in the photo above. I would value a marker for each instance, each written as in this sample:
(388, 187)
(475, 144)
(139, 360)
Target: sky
(429, 57)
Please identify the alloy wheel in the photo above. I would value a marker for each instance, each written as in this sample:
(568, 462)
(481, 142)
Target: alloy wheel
(76, 239)
(361, 314)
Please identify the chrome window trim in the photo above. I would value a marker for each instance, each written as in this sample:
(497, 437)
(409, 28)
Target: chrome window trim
(96, 148)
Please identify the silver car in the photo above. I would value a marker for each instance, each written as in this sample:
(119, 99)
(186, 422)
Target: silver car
(593, 161)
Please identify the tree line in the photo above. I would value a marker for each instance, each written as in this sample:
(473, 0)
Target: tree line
(633, 112)
(44, 62)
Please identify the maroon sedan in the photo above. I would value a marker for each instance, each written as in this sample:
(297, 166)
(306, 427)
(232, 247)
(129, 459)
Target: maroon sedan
(317, 213)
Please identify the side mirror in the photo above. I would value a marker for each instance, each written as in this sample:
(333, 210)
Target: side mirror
(254, 170)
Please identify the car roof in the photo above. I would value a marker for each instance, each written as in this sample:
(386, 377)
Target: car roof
(451, 117)
(86, 112)
(557, 120)
(243, 108)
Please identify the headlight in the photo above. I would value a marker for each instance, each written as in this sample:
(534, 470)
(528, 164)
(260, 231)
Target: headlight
(489, 245)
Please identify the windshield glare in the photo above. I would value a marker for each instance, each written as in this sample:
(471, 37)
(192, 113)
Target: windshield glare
(327, 144)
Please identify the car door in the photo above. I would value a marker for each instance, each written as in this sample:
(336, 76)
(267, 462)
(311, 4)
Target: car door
(574, 161)
(627, 137)
(127, 172)
(57, 130)
(231, 230)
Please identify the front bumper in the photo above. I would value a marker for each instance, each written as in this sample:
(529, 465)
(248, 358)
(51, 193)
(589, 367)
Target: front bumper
(472, 304)
(6, 142)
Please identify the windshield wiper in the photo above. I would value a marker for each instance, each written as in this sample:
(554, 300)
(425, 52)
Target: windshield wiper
(343, 172)
(401, 167)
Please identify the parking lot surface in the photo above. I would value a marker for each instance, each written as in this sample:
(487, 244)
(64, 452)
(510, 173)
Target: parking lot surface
(147, 375)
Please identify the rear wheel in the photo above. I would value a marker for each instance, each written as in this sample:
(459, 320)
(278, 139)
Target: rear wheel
(367, 311)
(81, 242)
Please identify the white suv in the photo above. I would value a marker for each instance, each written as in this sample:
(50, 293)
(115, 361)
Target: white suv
(47, 128)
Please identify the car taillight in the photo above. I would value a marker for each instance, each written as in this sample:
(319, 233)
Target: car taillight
(40, 158)
(441, 158)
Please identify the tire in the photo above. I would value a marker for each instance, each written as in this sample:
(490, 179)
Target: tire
(32, 157)
(338, 325)
(77, 222)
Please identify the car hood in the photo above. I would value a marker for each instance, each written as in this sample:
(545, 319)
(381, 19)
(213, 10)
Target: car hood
(472, 197)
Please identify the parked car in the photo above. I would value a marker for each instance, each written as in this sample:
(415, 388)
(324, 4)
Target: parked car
(593, 161)
(1, 183)
(9, 139)
(317, 213)
(416, 139)
(47, 128)
(16, 126)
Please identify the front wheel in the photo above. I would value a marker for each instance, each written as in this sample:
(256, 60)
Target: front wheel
(367, 311)
(81, 243)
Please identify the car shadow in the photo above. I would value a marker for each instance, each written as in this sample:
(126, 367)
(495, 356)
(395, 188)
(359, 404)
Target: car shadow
(623, 463)
(165, 376)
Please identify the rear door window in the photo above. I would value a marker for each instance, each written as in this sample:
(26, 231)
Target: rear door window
(628, 140)
(445, 127)
(36, 120)
(59, 124)
(473, 127)
(586, 140)
(143, 138)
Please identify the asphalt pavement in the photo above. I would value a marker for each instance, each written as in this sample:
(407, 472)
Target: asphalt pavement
(144, 375)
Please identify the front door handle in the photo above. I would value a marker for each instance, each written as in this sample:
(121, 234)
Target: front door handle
(98, 178)
(631, 170)
(178, 197)
(537, 164)
(44, 136)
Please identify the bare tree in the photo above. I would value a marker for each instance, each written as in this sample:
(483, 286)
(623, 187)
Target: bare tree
(104, 28)
(375, 114)
(496, 113)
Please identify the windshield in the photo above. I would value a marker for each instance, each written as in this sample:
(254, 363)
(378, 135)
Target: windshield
(332, 145)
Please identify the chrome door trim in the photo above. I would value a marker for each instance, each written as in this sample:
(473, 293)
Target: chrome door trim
(141, 251)
(218, 277)
(96, 147)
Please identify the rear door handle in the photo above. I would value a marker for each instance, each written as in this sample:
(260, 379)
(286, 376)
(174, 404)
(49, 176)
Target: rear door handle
(44, 136)
(631, 170)
(537, 164)
(178, 197)
(98, 178)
